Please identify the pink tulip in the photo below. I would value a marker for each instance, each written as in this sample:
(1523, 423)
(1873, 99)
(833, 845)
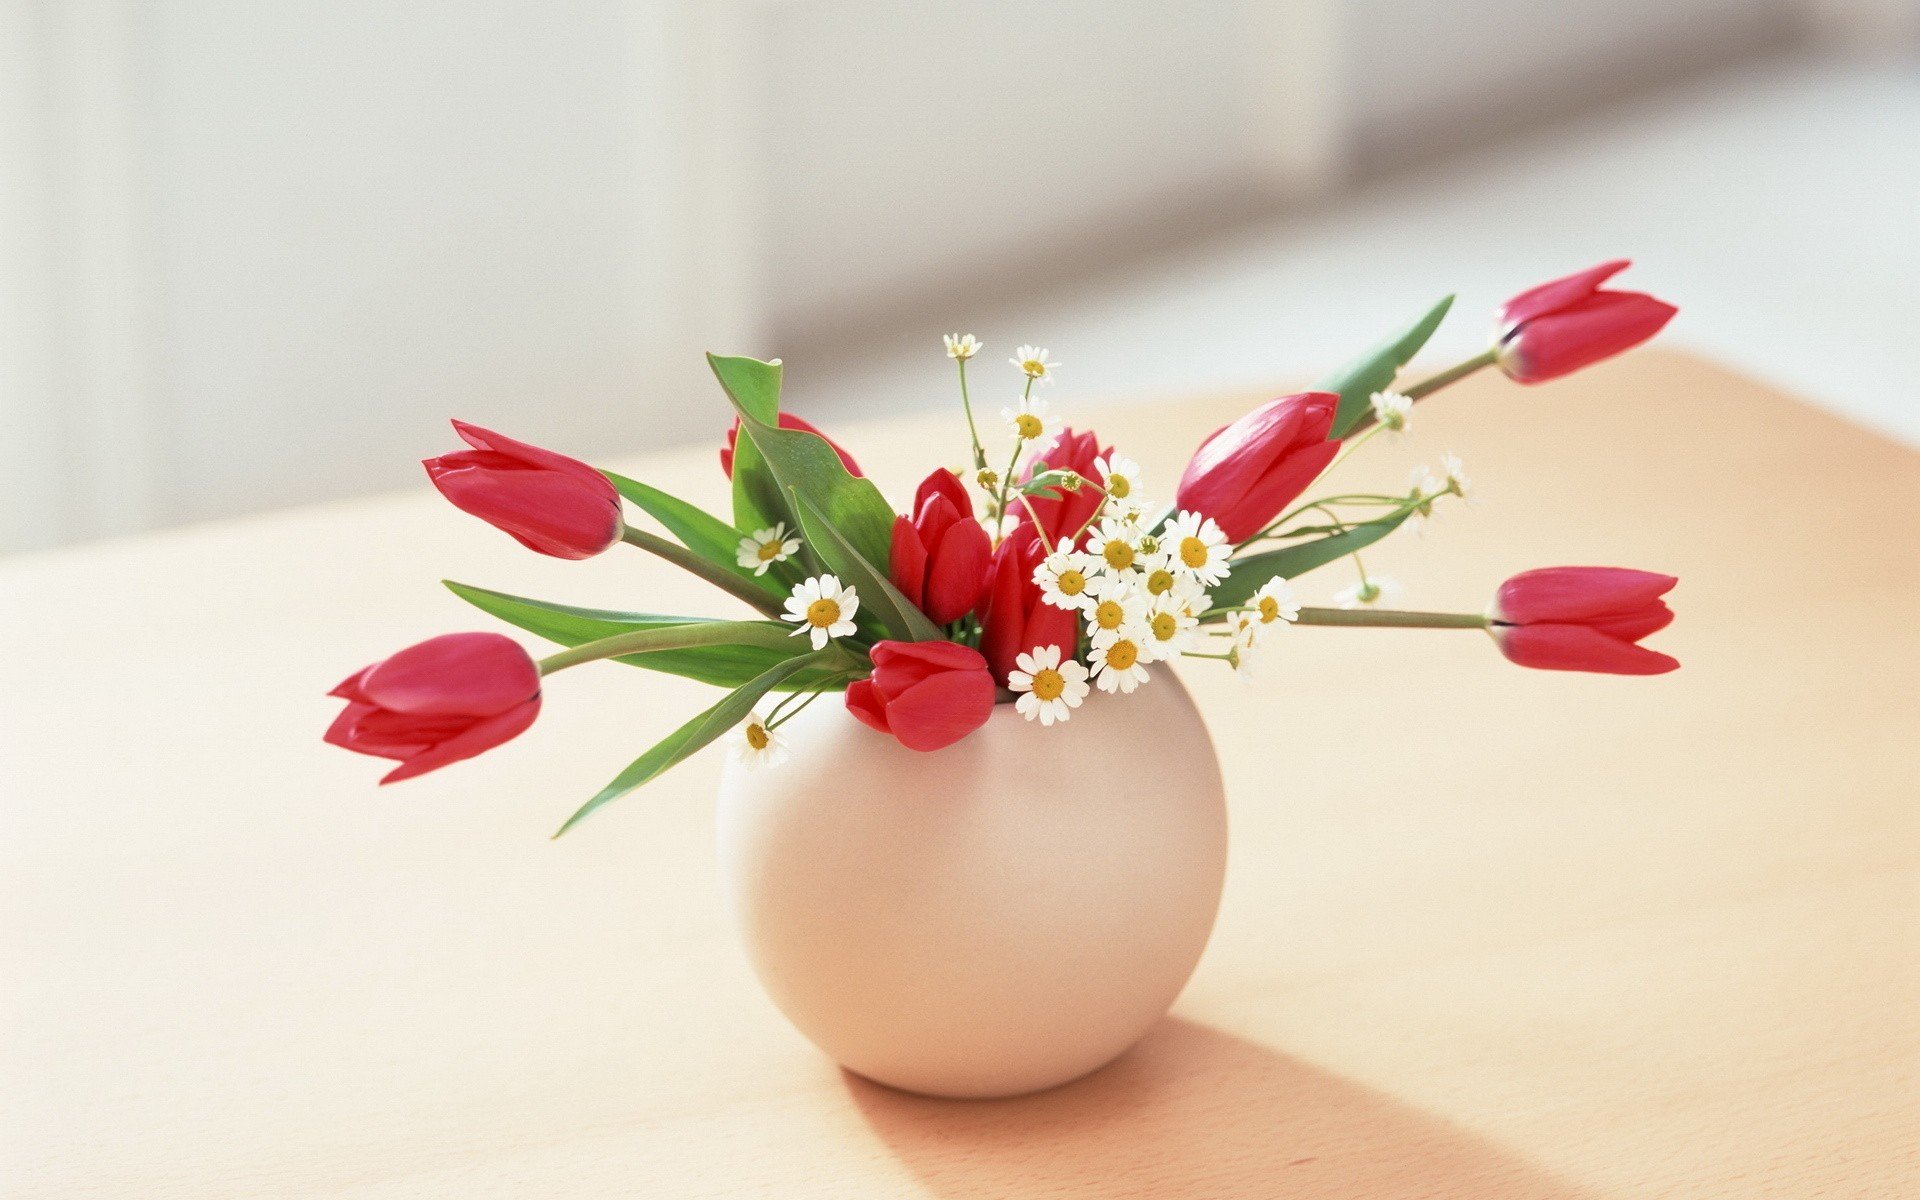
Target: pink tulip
(926, 694)
(1583, 619)
(446, 699)
(1247, 472)
(1559, 327)
(939, 556)
(548, 502)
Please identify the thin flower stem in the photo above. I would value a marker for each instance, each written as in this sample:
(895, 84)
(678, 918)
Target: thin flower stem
(1393, 618)
(973, 431)
(713, 573)
(1000, 501)
(778, 717)
(1453, 374)
(1352, 444)
(1037, 526)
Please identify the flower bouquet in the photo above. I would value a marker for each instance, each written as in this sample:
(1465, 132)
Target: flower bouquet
(922, 921)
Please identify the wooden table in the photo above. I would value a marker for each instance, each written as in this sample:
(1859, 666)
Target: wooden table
(1488, 932)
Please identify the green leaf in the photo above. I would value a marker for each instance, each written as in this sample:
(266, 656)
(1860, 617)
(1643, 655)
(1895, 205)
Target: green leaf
(723, 666)
(803, 463)
(1251, 572)
(893, 612)
(1374, 371)
(754, 388)
(699, 531)
(696, 733)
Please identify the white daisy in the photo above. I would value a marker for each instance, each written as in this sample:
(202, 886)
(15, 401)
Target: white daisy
(1033, 360)
(1028, 419)
(1375, 589)
(1273, 604)
(1422, 482)
(1248, 652)
(961, 345)
(1198, 547)
(1457, 481)
(1118, 604)
(1170, 624)
(1392, 410)
(1067, 579)
(758, 746)
(1120, 658)
(1114, 544)
(1159, 578)
(1049, 689)
(765, 548)
(823, 609)
(1122, 476)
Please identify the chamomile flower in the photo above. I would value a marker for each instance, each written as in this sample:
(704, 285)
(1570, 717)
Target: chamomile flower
(1120, 658)
(1159, 578)
(822, 609)
(1122, 480)
(758, 746)
(1114, 543)
(1067, 579)
(1198, 547)
(1048, 689)
(1033, 361)
(1170, 624)
(765, 548)
(1249, 650)
(961, 345)
(1274, 604)
(1118, 604)
(1424, 483)
(1457, 481)
(1028, 419)
(1369, 591)
(1393, 411)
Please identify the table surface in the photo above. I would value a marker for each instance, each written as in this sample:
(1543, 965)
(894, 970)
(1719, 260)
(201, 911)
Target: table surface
(1487, 932)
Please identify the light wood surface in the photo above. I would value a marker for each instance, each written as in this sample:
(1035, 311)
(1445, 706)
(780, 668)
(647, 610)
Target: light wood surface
(1487, 932)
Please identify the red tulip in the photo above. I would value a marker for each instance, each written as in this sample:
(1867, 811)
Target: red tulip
(548, 502)
(926, 694)
(787, 421)
(1247, 472)
(1064, 514)
(1559, 327)
(1583, 619)
(1013, 617)
(939, 557)
(446, 699)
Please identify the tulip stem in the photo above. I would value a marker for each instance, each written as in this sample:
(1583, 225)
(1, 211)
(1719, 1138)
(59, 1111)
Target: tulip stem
(1387, 617)
(1434, 383)
(706, 569)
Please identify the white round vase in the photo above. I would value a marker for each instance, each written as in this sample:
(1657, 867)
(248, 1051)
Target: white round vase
(998, 917)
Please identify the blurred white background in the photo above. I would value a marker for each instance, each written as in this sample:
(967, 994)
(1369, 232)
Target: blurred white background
(254, 255)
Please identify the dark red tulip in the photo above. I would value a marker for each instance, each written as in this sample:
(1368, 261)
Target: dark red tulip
(1559, 327)
(446, 699)
(926, 694)
(1583, 619)
(1013, 617)
(939, 558)
(1064, 515)
(787, 421)
(1247, 472)
(548, 502)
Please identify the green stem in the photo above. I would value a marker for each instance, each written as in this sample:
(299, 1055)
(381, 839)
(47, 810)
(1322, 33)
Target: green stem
(706, 569)
(1459, 371)
(764, 634)
(1392, 618)
(973, 431)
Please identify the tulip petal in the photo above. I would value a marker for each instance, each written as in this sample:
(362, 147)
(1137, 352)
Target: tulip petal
(942, 482)
(907, 562)
(864, 702)
(1578, 648)
(956, 571)
(556, 514)
(1603, 325)
(459, 674)
(526, 453)
(475, 739)
(1557, 294)
(941, 710)
(1571, 594)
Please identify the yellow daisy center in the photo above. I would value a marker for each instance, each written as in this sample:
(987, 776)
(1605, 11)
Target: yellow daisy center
(1071, 582)
(1048, 684)
(1159, 581)
(1027, 425)
(1269, 610)
(1118, 487)
(1033, 367)
(1193, 552)
(769, 551)
(1108, 614)
(823, 612)
(1122, 654)
(757, 736)
(1119, 554)
(1164, 626)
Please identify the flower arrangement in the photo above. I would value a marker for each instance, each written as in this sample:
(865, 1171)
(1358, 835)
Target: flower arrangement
(1045, 573)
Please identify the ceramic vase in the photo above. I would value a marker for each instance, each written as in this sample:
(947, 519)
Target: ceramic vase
(997, 917)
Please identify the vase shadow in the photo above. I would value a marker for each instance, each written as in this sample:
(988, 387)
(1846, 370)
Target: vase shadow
(1194, 1111)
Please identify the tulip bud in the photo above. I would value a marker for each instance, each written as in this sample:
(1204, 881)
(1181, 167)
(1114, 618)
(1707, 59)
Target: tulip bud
(939, 557)
(1583, 619)
(926, 694)
(1247, 472)
(548, 502)
(787, 421)
(446, 699)
(1559, 327)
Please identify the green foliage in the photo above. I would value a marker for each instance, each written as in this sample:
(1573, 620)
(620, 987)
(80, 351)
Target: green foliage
(699, 531)
(1374, 371)
(1251, 572)
(881, 604)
